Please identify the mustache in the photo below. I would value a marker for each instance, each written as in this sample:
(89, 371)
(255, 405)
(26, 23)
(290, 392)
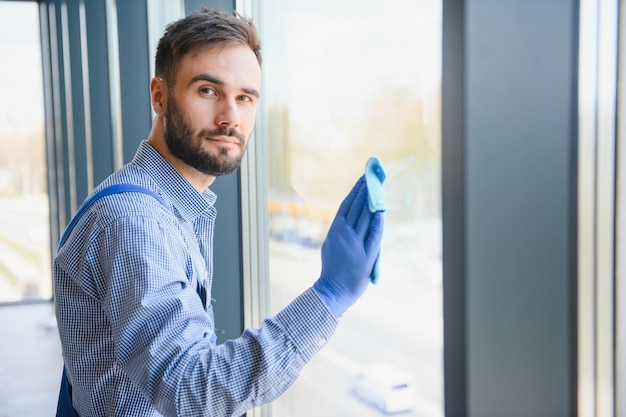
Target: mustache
(222, 131)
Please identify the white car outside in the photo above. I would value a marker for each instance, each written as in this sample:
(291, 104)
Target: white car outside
(386, 387)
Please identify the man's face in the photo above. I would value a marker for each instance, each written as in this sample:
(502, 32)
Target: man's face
(212, 107)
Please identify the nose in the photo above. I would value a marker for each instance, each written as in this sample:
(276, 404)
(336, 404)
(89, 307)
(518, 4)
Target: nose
(228, 113)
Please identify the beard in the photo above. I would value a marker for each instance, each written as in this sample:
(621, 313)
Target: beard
(181, 142)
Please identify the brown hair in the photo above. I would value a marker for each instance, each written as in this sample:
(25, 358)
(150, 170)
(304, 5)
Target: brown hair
(200, 30)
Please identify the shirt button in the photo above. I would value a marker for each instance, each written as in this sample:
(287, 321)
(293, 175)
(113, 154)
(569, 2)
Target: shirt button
(321, 342)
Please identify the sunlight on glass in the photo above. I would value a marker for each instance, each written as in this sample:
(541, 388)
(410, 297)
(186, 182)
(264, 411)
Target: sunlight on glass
(24, 221)
(346, 80)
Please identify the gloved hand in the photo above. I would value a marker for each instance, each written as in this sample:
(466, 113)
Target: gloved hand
(349, 251)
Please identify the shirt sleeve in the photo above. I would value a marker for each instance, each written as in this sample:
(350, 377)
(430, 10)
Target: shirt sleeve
(162, 334)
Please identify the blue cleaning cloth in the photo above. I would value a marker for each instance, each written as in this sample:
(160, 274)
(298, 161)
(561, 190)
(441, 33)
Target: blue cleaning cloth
(374, 177)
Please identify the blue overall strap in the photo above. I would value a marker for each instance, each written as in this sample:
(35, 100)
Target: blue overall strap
(112, 189)
(64, 405)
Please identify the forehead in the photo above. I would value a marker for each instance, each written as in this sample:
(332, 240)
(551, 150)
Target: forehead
(235, 66)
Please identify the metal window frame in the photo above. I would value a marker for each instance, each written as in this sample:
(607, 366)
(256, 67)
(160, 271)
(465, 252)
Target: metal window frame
(620, 223)
(597, 86)
(254, 215)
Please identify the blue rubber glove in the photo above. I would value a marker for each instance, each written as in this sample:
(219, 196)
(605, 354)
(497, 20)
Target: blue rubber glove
(349, 251)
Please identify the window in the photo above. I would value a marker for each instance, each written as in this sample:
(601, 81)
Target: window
(345, 81)
(620, 220)
(24, 219)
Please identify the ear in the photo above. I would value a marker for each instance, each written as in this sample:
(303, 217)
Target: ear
(158, 95)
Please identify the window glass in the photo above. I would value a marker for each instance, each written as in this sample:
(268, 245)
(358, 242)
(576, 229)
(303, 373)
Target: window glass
(24, 219)
(344, 81)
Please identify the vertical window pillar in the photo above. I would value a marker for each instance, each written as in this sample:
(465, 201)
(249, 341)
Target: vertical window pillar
(509, 207)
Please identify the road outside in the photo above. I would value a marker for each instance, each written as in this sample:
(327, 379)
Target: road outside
(398, 322)
(25, 271)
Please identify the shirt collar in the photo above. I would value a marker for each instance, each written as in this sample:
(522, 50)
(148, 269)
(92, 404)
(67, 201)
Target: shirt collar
(180, 193)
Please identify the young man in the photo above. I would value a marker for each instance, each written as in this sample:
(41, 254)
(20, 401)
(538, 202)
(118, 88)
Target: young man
(133, 274)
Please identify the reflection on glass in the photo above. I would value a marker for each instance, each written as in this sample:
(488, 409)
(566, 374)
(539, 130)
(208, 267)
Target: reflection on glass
(346, 80)
(24, 221)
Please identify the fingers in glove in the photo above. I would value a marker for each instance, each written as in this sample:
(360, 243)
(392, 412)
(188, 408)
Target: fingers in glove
(373, 240)
(359, 203)
(344, 208)
(363, 225)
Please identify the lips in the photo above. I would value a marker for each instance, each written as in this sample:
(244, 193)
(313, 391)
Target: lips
(225, 139)
(223, 134)
(230, 139)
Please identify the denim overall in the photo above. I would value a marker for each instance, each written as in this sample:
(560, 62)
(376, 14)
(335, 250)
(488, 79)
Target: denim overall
(64, 405)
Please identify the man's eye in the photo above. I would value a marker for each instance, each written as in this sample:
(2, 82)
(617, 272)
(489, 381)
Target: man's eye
(208, 90)
(245, 98)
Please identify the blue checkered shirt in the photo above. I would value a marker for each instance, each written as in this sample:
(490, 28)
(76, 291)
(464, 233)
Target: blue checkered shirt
(136, 338)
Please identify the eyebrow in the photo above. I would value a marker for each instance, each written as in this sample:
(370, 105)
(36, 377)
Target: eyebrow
(207, 77)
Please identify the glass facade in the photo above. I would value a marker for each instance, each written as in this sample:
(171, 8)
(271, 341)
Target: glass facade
(24, 208)
(345, 81)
